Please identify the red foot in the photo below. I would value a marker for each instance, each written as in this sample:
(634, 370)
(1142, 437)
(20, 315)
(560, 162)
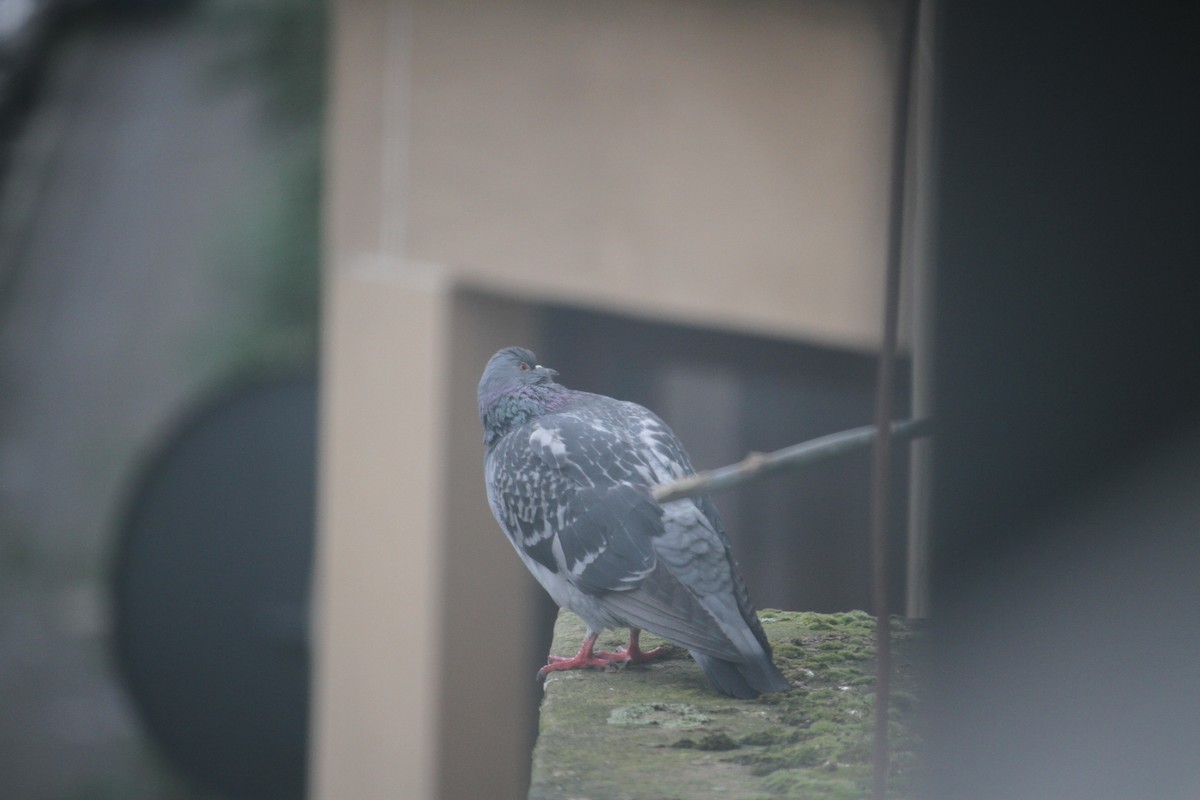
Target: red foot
(633, 654)
(585, 658)
(582, 660)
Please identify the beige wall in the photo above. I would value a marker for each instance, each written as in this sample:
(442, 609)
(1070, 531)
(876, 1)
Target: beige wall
(488, 692)
(719, 163)
(714, 162)
(378, 555)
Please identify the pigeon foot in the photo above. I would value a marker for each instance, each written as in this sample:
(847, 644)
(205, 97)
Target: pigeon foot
(633, 654)
(584, 659)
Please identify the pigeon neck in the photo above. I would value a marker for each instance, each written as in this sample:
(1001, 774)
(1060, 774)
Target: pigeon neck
(516, 408)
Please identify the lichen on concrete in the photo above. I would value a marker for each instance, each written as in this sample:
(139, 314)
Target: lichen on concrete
(670, 716)
(657, 731)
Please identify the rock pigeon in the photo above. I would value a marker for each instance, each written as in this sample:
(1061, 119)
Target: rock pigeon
(569, 478)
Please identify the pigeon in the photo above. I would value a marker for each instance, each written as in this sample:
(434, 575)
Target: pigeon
(569, 479)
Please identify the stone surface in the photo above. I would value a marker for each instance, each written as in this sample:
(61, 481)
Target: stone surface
(657, 731)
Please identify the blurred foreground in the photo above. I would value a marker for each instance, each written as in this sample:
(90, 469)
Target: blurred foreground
(131, 195)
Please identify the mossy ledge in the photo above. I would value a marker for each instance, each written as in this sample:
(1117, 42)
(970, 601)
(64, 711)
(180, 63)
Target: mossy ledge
(657, 731)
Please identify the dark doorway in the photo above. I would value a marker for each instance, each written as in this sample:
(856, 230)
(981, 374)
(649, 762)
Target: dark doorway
(801, 538)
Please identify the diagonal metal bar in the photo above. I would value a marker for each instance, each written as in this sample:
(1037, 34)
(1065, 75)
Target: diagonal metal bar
(756, 466)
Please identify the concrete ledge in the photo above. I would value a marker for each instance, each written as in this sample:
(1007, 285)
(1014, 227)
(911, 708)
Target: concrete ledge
(658, 731)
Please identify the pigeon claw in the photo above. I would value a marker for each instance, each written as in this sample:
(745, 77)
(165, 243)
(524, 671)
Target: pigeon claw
(560, 662)
(586, 658)
(624, 656)
(633, 654)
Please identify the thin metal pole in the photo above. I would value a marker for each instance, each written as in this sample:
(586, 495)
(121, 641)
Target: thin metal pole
(923, 279)
(757, 466)
(882, 451)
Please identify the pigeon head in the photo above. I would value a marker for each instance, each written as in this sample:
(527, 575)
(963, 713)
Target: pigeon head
(513, 390)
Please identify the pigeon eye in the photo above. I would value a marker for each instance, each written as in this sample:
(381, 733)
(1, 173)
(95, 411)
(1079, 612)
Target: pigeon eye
(523, 367)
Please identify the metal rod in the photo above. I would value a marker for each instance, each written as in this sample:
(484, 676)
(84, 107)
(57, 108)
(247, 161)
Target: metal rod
(758, 465)
(882, 452)
(923, 279)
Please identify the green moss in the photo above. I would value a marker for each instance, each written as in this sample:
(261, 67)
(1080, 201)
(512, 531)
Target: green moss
(718, 741)
(770, 736)
(822, 727)
(788, 651)
(674, 716)
(842, 675)
(604, 732)
(802, 783)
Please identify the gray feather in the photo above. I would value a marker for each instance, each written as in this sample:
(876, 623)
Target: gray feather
(568, 478)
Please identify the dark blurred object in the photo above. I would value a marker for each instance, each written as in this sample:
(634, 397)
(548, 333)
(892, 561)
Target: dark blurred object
(1067, 478)
(25, 32)
(28, 30)
(144, 7)
(211, 591)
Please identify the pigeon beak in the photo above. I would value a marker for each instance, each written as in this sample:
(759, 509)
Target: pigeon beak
(546, 371)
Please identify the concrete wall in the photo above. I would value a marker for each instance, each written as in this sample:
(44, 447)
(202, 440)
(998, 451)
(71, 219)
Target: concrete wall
(713, 162)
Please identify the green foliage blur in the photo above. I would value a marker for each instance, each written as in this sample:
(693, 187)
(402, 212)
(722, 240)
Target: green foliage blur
(280, 43)
(274, 243)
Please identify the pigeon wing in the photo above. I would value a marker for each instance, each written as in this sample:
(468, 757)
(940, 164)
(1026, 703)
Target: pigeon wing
(551, 485)
(607, 542)
(659, 569)
(604, 522)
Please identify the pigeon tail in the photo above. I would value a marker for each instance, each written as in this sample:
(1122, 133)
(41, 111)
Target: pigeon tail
(742, 679)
